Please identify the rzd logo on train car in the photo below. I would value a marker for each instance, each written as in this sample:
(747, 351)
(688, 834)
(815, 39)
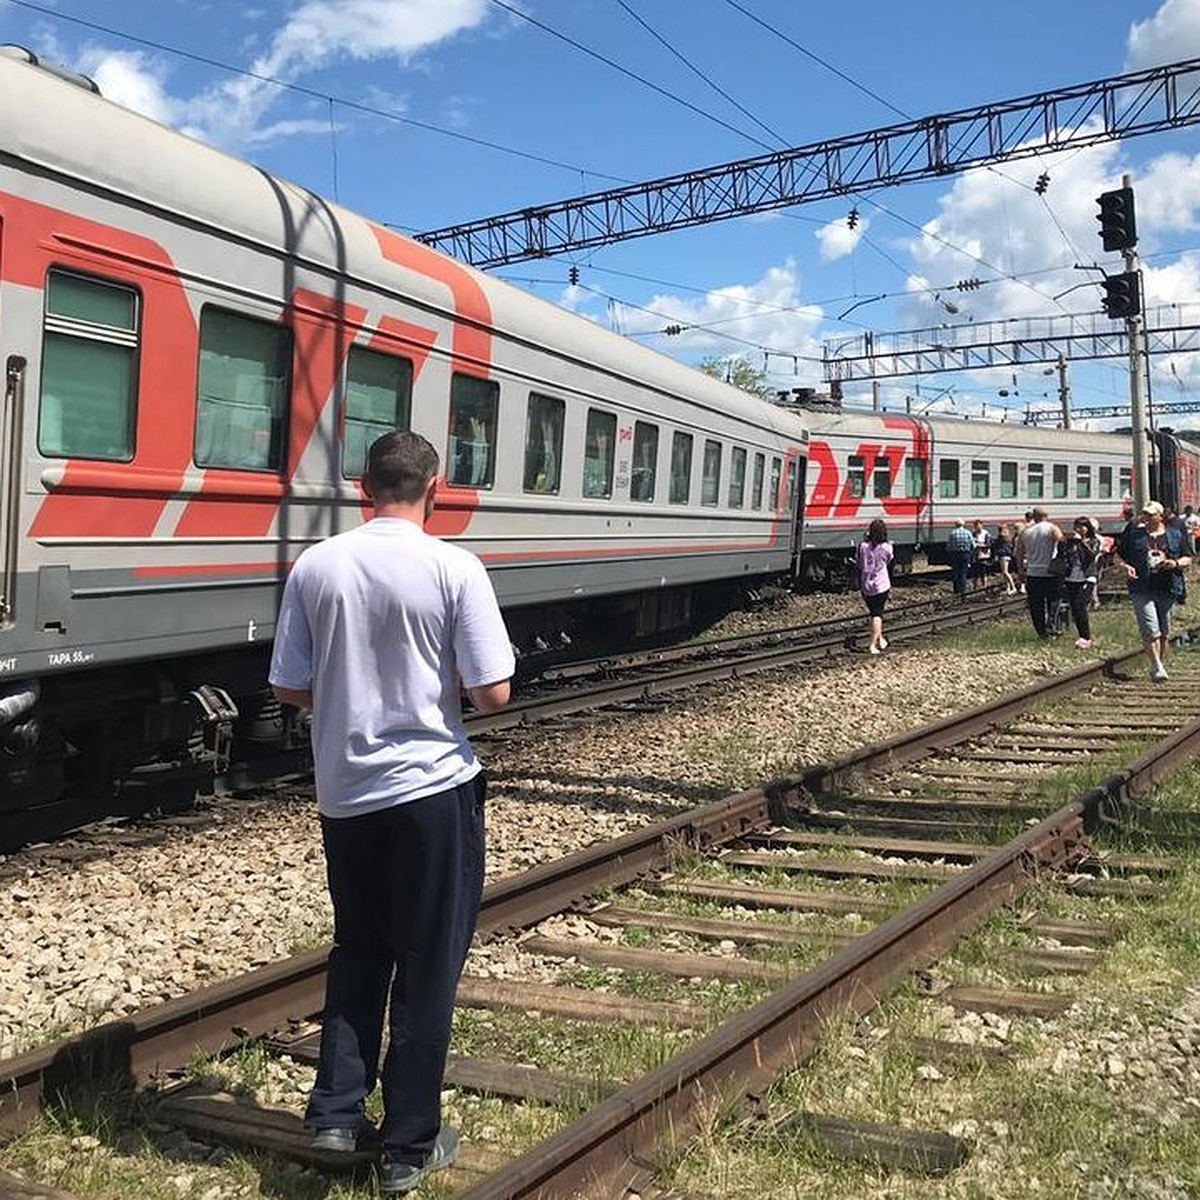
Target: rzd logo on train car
(835, 496)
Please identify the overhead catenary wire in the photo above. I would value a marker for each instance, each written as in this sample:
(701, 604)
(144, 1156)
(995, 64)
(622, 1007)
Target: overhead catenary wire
(313, 93)
(896, 110)
(616, 66)
(716, 87)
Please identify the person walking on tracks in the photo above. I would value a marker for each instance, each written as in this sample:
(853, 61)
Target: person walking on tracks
(380, 630)
(1155, 555)
(874, 557)
(960, 550)
(1036, 550)
(1078, 554)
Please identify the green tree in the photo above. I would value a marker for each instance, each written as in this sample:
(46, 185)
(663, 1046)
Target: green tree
(738, 371)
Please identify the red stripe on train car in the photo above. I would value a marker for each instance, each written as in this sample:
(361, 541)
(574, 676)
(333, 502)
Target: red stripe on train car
(37, 238)
(273, 570)
(922, 450)
(270, 570)
(471, 347)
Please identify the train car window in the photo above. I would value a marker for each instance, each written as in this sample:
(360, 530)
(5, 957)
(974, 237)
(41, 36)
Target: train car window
(645, 461)
(776, 471)
(543, 444)
(1104, 488)
(1037, 481)
(881, 478)
(1083, 483)
(915, 470)
(471, 451)
(1008, 480)
(1060, 481)
(378, 400)
(856, 475)
(981, 479)
(710, 480)
(599, 447)
(737, 478)
(89, 369)
(681, 468)
(242, 395)
(948, 478)
(756, 488)
(1125, 481)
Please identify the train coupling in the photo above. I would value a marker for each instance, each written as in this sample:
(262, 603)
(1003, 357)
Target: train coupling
(216, 713)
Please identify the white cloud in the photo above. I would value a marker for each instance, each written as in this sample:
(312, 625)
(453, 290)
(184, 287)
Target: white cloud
(838, 239)
(234, 113)
(131, 78)
(1171, 35)
(321, 31)
(767, 314)
(991, 225)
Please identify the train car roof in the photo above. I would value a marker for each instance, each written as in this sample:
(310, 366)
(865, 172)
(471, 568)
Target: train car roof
(947, 430)
(69, 131)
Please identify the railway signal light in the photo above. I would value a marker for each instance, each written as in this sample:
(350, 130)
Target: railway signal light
(1123, 295)
(1118, 224)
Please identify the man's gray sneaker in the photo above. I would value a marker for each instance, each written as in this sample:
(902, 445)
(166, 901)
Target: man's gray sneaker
(346, 1140)
(396, 1178)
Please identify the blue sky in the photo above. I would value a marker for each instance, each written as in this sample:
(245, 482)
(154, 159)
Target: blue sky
(479, 70)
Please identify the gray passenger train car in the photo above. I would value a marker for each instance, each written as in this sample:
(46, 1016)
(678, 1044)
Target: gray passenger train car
(196, 357)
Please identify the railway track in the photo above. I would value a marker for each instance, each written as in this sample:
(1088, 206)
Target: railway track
(582, 688)
(926, 812)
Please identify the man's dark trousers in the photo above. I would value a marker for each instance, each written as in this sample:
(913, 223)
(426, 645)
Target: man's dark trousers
(1041, 594)
(960, 565)
(406, 883)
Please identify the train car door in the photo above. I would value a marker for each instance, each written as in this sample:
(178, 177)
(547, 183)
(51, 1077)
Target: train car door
(10, 490)
(799, 485)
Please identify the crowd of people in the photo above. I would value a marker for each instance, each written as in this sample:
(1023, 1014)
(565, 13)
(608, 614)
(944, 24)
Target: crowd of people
(1058, 571)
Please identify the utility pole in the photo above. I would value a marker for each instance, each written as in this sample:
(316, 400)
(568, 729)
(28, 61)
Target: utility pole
(1064, 391)
(1123, 298)
(874, 395)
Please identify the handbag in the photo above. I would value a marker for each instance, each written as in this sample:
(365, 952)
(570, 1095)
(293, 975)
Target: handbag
(1059, 566)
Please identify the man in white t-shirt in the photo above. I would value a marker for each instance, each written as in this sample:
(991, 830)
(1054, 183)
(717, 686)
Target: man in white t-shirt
(380, 630)
(1036, 549)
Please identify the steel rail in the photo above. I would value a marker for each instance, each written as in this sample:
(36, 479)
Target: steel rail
(671, 679)
(608, 1150)
(19, 827)
(160, 1040)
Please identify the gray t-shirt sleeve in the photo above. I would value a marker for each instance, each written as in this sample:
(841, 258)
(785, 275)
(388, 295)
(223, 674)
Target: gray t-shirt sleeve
(482, 650)
(291, 657)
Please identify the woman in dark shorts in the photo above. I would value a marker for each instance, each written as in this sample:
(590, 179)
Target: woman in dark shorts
(1002, 549)
(874, 557)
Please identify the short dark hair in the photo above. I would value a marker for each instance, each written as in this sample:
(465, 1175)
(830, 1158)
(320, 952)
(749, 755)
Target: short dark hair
(877, 532)
(400, 465)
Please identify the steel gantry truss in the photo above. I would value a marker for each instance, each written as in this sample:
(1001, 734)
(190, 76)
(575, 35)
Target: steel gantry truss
(1053, 416)
(1070, 118)
(1169, 328)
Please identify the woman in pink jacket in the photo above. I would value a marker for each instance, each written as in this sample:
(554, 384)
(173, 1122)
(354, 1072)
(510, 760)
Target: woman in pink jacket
(874, 558)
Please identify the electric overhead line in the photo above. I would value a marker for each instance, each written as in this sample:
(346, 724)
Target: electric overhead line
(1043, 180)
(1169, 329)
(616, 66)
(313, 93)
(716, 87)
